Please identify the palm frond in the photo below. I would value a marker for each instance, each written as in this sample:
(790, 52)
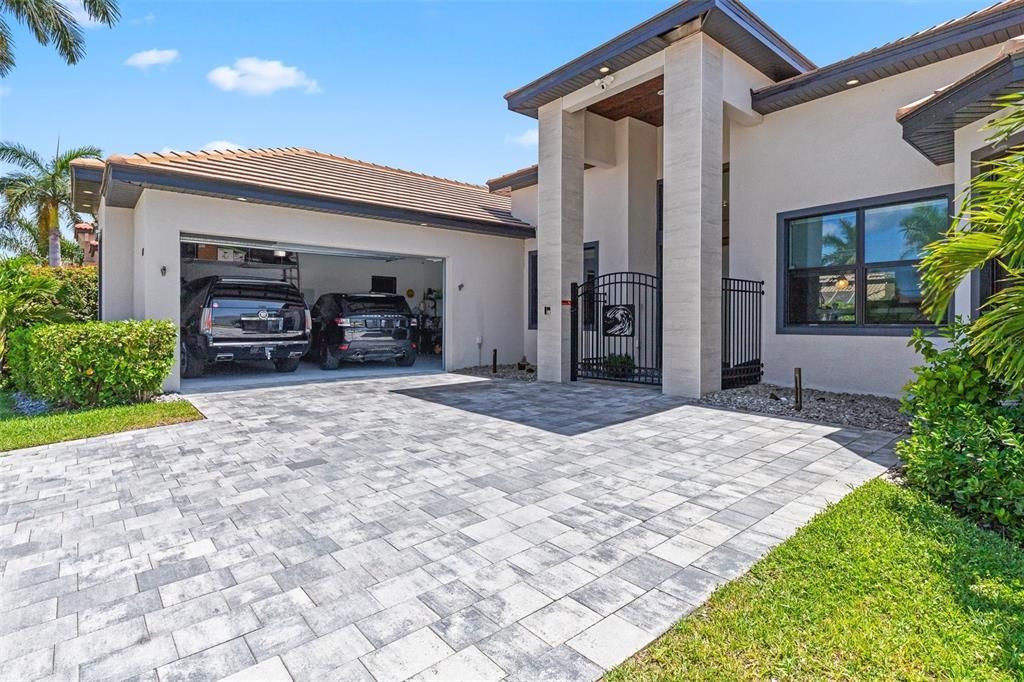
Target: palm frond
(6, 48)
(104, 11)
(21, 156)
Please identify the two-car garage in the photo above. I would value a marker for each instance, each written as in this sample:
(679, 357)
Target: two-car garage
(369, 313)
(448, 256)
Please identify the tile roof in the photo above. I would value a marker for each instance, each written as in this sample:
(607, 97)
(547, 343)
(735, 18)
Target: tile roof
(324, 176)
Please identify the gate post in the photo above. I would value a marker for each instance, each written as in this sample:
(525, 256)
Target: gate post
(574, 318)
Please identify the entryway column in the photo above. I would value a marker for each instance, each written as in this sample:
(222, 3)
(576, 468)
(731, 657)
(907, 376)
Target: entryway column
(692, 219)
(559, 235)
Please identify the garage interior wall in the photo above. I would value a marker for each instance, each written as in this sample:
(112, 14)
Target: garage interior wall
(323, 274)
(483, 304)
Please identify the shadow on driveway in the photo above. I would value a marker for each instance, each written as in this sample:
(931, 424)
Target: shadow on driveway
(565, 409)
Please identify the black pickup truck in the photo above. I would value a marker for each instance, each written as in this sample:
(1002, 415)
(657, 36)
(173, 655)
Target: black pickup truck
(362, 327)
(232, 319)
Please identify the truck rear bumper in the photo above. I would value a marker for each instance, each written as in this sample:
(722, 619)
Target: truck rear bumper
(268, 350)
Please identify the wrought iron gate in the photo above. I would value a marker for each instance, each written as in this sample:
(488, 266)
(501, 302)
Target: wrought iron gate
(616, 328)
(741, 332)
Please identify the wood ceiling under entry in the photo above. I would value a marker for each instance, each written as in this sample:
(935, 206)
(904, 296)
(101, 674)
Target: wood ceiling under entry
(642, 102)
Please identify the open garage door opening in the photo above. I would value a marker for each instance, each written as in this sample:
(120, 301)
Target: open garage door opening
(257, 313)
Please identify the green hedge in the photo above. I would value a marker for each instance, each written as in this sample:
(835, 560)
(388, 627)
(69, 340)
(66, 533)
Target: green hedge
(79, 293)
(966, 447)
(93, 364)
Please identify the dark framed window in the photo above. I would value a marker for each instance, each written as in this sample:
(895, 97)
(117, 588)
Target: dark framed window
(591, 270)
(531, 292)
(852, 268)
(380, 284)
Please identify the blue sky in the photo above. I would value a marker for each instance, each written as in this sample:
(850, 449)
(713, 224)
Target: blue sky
(415, 85)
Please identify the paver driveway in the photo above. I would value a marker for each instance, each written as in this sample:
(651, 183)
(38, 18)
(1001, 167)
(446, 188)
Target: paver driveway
(437, 526)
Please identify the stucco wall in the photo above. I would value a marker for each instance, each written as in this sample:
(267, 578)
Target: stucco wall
(117, 250)
(841, 148)
(488, 269)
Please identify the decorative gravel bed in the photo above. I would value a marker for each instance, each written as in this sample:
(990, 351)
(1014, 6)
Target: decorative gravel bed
(504, 372)
(846, 409)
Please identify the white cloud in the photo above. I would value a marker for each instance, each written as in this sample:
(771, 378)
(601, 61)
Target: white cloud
(527, 138)
(220, 146)
(167, 150)
(148, 58)
(254, 76)
(147, 19)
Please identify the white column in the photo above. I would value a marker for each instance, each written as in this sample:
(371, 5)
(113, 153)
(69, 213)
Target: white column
(559, 235)
(692, 219)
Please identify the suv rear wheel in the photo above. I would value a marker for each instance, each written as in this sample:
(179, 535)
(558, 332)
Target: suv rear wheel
(328, 360)
(192, 365)
(407, 360)
(286, 364)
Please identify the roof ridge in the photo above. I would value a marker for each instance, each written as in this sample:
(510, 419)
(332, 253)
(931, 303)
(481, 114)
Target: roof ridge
(403, 171)
(270, 152)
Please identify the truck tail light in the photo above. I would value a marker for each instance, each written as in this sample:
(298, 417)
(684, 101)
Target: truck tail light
(309, 323)
(206, 321)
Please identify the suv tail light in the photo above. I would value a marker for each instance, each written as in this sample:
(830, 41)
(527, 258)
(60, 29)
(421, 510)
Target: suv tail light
(309, 322)
(206, 321)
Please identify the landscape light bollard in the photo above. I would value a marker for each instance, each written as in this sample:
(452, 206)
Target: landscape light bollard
(494, 361)
(798, 388)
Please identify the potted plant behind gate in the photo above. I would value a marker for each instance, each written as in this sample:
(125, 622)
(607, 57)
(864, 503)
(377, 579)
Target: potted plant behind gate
(619, 366)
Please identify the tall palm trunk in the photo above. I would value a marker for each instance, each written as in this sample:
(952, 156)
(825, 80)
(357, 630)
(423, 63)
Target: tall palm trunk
(52, 231)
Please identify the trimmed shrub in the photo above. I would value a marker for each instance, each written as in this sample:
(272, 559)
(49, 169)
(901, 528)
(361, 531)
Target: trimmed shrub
(79, 293)
(967, 442)
(93, 364)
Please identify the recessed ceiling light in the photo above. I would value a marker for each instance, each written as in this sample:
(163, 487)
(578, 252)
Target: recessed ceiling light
(604, 69)
(86, 191)
(852, 82)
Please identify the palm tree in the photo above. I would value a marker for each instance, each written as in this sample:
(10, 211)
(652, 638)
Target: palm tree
(52, 21)
(924, 225)
(42, 189)
(22, 238)
(992, 217)
(840, 247)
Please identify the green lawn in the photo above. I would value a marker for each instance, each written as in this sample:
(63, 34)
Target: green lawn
(886, 585)
(23, 432)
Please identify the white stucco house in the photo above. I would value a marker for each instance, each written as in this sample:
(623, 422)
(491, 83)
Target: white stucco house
(707, 203)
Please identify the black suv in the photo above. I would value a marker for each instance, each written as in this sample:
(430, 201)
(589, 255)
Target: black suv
(361, 327)
(228, 319)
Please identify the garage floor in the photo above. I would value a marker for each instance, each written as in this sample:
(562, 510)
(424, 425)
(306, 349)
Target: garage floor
(438, 526)
(231, 377)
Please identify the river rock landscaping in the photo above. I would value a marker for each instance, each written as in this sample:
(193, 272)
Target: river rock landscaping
(846, 409)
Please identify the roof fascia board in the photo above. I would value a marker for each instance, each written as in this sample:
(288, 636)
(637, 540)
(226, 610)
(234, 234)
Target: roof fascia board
(152, 178)
(521, 180)
(998, 76)
(652, 28)
(760, 31)
(766, 100)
